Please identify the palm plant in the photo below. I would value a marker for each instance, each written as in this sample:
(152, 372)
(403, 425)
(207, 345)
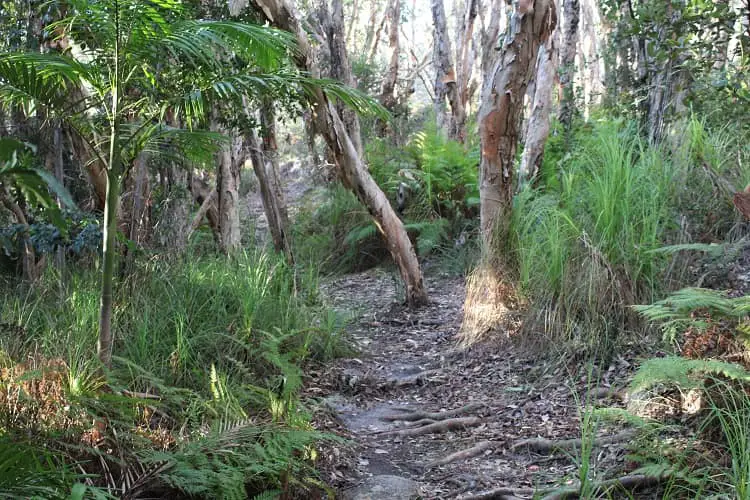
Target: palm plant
(133, 69)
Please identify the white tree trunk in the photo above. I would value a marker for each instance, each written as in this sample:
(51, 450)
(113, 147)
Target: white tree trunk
(538, 126)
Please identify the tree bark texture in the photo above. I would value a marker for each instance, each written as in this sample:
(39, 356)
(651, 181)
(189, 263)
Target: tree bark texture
(501, 109)
(571, 14)
(465, 56)
(388, 89)
(538, 126)
(228, 189)
(354, 173)
(491, 33)
(445, 75)
(341, 69)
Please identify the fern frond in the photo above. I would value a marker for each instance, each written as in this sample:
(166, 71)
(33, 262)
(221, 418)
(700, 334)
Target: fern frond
(684, 373)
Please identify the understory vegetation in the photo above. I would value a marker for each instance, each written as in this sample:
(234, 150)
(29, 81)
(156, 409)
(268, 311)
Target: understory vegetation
(164, 317)
(202, 399)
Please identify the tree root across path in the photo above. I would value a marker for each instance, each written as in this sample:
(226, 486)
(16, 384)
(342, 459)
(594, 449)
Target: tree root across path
(474, 451)
(541, 445)
(435, 427)
(410, 415)
(628, 483)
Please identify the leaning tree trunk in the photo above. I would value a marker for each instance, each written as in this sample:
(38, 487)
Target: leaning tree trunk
(445, 76)
(353, 171)
(501, 109)
(538, 126)
(571, 14)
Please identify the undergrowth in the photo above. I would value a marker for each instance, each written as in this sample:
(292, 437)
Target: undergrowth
(437, 178)
(202, 399)
(589, 241)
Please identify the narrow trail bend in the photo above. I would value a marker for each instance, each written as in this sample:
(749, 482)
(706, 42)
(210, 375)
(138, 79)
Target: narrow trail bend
(429, 420)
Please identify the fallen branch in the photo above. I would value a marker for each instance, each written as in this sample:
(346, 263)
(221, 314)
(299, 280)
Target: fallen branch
(474, 451)
(413, 415)
(437, 427)
(542, 445)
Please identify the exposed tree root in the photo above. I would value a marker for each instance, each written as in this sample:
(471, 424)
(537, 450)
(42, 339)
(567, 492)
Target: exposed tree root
(503, 493)
(474, 451)
(412, 415)
(541, 445)
(416, 379)
(437, 427)
(629, 483)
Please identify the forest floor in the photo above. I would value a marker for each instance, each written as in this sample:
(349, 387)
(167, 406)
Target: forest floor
(488, 398)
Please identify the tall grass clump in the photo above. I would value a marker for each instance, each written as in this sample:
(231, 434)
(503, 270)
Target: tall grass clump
(203, 396)
(585, 247)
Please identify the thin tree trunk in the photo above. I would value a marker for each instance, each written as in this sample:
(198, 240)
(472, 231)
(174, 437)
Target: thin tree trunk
(538, 127)
(104, 345)
(341, 69)
(28, 258)
(227, 186)
(501, 108)
(571, 13)
(376, 42)
(353, 171)
(201, 213)
(388, 89)
(372, 26)
(464, 66)
(59, 167)
(445, 74)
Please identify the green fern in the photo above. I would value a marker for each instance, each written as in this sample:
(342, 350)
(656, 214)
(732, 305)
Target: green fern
(675, 312)
(684, 373)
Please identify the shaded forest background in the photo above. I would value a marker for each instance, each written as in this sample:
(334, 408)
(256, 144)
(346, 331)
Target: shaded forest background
(583, 163)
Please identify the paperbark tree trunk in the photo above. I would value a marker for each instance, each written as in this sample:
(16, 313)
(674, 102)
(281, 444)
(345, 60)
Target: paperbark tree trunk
(388, 89)
(465, 57)
(282, 14)
(445, 76)
(501, 109)
(491, 33)
(228, 189)
(341, 69)
(538, 126)
(571, 14)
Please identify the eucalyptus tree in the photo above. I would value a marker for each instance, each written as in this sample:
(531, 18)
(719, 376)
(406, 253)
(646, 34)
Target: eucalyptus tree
(132, 70)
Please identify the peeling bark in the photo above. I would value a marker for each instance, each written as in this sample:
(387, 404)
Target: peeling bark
(353, 171)
(465, 57)
(538, 127)
(445, 76)
(341, 68)
(227, 187)
(571, 13)
(501, 109)
(388, 89)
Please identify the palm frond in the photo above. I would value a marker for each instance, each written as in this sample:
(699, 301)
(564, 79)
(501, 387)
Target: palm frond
(207, 43)
(178, 144)
(28, 79)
